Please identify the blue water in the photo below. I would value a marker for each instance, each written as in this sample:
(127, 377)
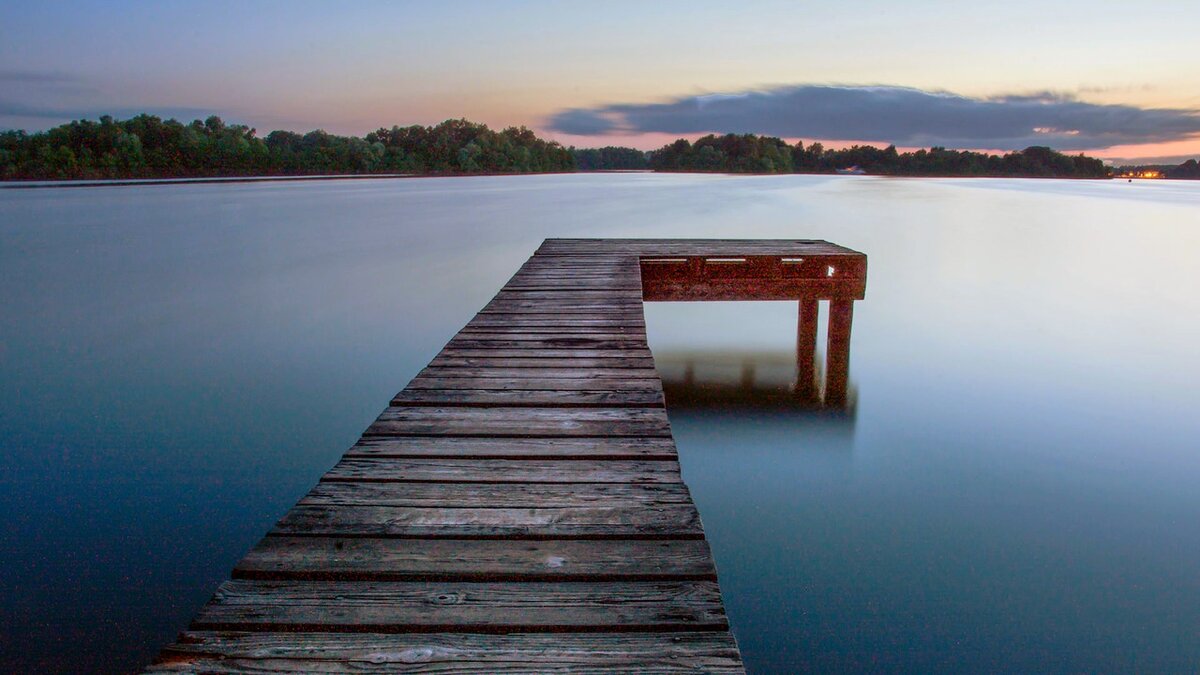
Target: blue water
(1013, 490)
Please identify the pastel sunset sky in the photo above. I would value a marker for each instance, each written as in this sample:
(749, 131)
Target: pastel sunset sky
(1114, 79)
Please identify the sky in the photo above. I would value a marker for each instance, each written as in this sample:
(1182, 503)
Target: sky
(1119, 80)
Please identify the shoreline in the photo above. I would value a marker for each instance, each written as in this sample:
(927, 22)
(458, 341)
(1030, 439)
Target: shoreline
(209, 180)
(138, 182)
(125, 182)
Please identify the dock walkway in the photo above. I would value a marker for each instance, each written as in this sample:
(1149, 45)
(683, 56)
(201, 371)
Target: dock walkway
(518, 507)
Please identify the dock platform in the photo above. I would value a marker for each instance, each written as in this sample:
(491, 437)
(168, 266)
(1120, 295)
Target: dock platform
(518, 507)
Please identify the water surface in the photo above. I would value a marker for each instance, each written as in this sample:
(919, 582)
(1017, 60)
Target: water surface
(1013, 490)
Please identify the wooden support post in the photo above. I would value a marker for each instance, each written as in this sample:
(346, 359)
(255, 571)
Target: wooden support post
(748, 376)
(837, 353)
(806, 349)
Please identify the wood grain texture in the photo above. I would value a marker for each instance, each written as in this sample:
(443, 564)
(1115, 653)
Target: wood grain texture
(545, 353)
(530, 510)
(579, 372)
(555, 322)
(520, 422)
(634, 521)
(545, 345)
(376, 559)
(446, 470)
(487, 496)
(517, 448)
(542, 362)
(411, 607)
(607, 293)
(531, 398)
(533, 380)
(239, 653)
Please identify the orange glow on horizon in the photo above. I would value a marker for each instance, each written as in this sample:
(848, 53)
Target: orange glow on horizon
(1182, 147)
(653, 141)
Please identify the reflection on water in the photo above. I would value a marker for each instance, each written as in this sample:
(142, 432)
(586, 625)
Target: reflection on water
(1008, 489)
(763, 389)
(746, 381)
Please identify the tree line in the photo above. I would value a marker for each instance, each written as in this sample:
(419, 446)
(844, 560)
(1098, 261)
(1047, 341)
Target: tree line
(609, 158)
(748, 153)
(147, 146)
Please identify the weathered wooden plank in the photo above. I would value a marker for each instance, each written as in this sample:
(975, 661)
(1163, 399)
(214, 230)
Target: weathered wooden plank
(546, 353)
(537, 262)
(556, 327)
(555, 320)
(551, 292)
(587, 343)
(582, 262)
(554, 323)
(631, 303)
(612, 305)
(541, 362)
(397, 420)
(531, 398)
(537, 383)
(478, 372)
(542, 332)
(496, 496)
(532, 308)
(634, 521)
(407, 607)
(376, 559)
(598, 261)
(503, 471)
(546, 284)
(539, 334)
(516, 448)
(625, 276)
(628, 299)
(557, 264)
(562, 293)
(522, 315)
(240, 653)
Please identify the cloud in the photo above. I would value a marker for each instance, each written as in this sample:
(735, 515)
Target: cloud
(1152, 159)
(889, 114)
(62, 114)
(46, 98)
(35, 77)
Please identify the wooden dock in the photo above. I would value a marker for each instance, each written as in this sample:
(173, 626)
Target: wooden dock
(518, 507)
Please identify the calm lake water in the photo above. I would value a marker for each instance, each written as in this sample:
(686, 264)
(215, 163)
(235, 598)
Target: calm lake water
(1014, 490)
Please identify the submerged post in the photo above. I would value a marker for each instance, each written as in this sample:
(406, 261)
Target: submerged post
(806, 349)
(837, 356)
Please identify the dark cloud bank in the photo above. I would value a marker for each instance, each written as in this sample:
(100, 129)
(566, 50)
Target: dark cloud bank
(899, 115)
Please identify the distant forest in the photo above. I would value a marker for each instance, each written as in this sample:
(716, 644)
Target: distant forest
(764, 154)
(147, 146)
(610, 159)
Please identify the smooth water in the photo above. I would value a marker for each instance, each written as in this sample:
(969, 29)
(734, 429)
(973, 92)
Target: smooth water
(1014, 490)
